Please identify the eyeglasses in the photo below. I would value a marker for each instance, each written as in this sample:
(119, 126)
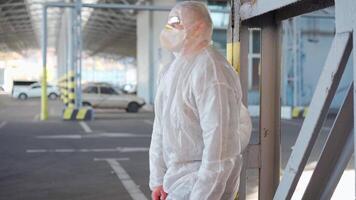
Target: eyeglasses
(174, 21)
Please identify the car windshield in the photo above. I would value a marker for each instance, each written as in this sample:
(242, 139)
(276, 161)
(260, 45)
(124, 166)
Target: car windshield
(91, 90)
(37, 85)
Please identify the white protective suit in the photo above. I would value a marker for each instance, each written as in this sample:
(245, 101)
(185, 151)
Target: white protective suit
(201, 127)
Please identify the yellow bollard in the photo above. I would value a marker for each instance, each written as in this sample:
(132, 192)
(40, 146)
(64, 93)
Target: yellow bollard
(233, 54)
(71, 89)
(44, 98)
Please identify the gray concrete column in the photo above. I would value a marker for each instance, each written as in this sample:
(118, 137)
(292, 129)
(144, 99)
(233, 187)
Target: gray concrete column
(150, 57)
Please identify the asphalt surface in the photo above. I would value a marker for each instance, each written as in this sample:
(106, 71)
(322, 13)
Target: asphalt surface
(63, 160)
(104, 159)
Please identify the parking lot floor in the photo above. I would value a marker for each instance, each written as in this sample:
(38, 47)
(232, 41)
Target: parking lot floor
(102, 159)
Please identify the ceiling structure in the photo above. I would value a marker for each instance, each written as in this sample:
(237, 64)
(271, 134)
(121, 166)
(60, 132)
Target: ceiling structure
(113, 31)
(20, 24)
(107, 31)
(16, 29)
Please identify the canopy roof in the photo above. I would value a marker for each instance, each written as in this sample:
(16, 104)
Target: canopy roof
(107, 31)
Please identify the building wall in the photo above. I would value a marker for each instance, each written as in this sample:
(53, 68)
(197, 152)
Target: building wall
(316, 36)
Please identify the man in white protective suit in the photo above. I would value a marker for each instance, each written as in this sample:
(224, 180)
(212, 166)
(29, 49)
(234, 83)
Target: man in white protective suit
(201, 127)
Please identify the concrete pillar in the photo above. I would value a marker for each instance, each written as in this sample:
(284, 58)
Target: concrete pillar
(61, 48)
(150, 57)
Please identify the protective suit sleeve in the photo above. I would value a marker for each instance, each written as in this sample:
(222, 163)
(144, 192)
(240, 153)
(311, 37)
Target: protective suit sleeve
(219, 107)
(157, 164)
(245, 128)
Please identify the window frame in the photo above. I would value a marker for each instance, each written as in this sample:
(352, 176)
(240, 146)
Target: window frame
(251, 57)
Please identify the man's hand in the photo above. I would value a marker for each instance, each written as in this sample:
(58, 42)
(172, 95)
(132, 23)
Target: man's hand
(159, 194)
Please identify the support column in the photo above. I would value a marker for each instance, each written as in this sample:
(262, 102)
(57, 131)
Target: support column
(143, 58)
(354, 90)
(77, 29)
(62, 57)
(44, 98)
(270, 108)
(244, 47)
(233, 36)
(150, 57)
(71, 61)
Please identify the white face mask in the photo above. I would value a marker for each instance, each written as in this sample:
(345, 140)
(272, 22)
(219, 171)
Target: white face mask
(172, 39)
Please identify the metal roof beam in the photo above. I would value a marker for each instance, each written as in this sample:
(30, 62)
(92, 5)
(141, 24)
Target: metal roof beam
(15, 12)
(281, 9)
(15, 18)
(11, 5)
(110, 26)
(105, 28)
(107, 34)
(111, 16)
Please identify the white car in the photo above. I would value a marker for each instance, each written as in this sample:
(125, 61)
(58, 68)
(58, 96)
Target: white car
(34, 90)
(105, 96)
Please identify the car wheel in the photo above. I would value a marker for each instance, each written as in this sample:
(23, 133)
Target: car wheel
(23, 96)
(133, 107)
(85, 103)
(53, 96)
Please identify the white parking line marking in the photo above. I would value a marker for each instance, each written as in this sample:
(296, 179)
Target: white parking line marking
(2, 124)
(36, 151)
(95, 135)
(85, 127)
(118, 149)
(148, 121)
(59, 137)
(131, 187)
(104, 159)
(64, 150)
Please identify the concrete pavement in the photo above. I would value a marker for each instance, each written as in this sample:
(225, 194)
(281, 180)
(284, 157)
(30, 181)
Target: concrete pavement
(103, 159)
